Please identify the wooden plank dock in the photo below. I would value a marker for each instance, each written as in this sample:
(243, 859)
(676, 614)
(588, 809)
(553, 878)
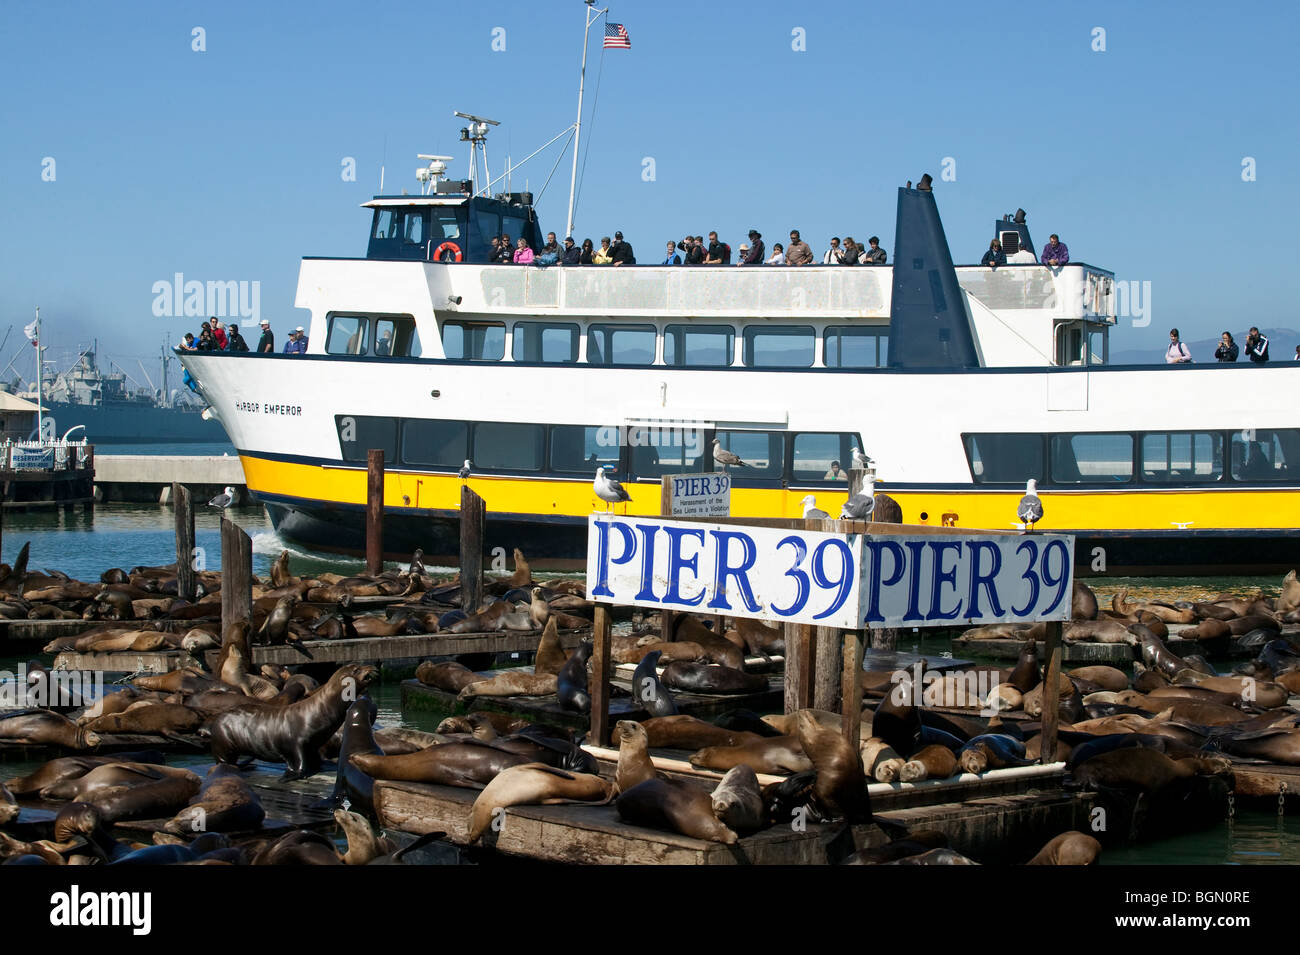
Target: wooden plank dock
(1265, 779)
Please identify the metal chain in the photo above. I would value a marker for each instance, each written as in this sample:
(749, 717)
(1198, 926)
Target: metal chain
(1232, 807)
(1281, 800)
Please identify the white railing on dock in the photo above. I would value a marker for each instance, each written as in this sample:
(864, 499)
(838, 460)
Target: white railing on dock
(44, 455)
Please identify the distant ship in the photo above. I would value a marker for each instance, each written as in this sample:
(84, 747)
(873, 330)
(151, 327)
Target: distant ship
(114, 411)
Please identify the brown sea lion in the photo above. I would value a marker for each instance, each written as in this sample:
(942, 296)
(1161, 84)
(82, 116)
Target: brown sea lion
(709, 678)
(1209, 629)
(1083, 602)
(487, 620)
(676, 807)
(468, 765)
(1026, 674)
(184, 680)
(1243, 625)
(841, 786)
(773, 754)
(44, 726)
(8, 806)
(668, 652)
(688, 732)
(280, 576)
(634, 765)
(1274, 745)
(290, 734)
(738, 801)
(930, 762)
(550, 655)
(880, 761)
(1004, 697)
(501, 724)
(538, 608)
(717, 648)
(449, 676)
(155, 718)
(1101, 630)
(1108, 678)
(299, 847)
(571, 683)
(1032, 702)
(224, 803)
(1261, 693)
(760, 639)
(1289, 599)
(533, 784)
(1069, 848)
(511, 683)
(363, 845)
(1135, 767)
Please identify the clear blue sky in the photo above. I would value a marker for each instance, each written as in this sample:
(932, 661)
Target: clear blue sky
(225, 164)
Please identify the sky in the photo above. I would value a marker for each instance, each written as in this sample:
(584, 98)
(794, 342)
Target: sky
(1153, 137)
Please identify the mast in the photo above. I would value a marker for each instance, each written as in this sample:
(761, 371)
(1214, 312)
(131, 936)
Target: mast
(577, 127)
(40, 411)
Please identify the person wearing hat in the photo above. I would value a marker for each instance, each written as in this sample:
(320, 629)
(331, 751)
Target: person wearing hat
(744, 253)
(297, 343)
(266, 344)
(755, 254)
(620, 252)
(235, 341)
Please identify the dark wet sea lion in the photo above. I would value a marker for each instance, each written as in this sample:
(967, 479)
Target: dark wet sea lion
(929, 762)
(676, 807)
(501, 724)
(1083, 602)
(290, 734)
(358, 737)
(738, 801)
(1025, 676)
(634, 765)
(300, 847)
(748, 721)
(689, 732)
(533, 784)
(1132, 768)
(65, 768)
(1277, 746)
(648, 691)
(151, 799)
(711, 678)
(550, 655)
(776, 754)
(571, 682)
(991, 751)
(841, 787)
(44, 726)
(896, 720)
(224, 803)
(468, 765)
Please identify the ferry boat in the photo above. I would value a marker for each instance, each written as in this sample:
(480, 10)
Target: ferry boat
(961, 382)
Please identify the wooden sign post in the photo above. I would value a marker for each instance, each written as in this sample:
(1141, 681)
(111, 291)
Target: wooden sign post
(375, 511)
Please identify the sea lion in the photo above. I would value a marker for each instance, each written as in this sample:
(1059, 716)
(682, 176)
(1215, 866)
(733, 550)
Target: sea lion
(634, 765)
(224, 803)
(467, 765)
(1026, 674)
(533, 784)
(774, 754)
(651, 694)
(930, 762)
(449, 676)
(1083, 602)
(711, 678)
(550, 655)
(880, 761)
(1069, 848)
(280, 571)
(488, 723)
(1069, 701)
(162, 719)
(991, 751)
(1275, 745)
(363, 845)
(8, 806)
(1004, 696)
(841, 786)
(676, 807)
(43, 726)
(1261, 693)
(358, 737)
(1132, 768)
(65, 768)
(760, 639)
(716, 648)
(1289, 599)
(1101, 630)
(275, 628)
(538, 608)
(511, 683)
(688, 732)
(160, 792)
(897, 721)
(738, 801)
(290, 734)
(1108, 678)
(300, 847)
(571, 682)
(668, 652)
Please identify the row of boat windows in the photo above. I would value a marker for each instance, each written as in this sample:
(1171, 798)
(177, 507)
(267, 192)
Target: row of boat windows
(381, 335)
(683, 346)
(635, 452)
(1174, 457)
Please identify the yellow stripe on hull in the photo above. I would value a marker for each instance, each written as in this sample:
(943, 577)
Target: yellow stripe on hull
(1120, 510)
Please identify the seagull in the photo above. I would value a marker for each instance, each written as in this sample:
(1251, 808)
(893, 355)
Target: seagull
(464, 470)
(860, 460)
(1030, 510)
(609, 490)
(810, 508)
(725, 458)
(224, 499)
(860, 505)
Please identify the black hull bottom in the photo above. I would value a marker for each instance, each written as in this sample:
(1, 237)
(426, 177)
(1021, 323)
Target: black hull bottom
(561, 544)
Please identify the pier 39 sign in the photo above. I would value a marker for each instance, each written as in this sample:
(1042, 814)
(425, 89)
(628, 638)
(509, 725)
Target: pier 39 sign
(850, 581)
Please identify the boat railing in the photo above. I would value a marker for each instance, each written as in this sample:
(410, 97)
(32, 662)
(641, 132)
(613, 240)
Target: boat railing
(37, 455)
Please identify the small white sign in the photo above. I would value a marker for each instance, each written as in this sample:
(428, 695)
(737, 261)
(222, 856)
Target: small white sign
(699, 495)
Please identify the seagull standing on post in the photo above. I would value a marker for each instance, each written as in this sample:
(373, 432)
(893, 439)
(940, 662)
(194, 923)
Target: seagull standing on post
(725, 458)
(464, 471)
(860, 460)
(1030, 510)
(811, 510)
(223, 500)
(860, 506)
(608, 489)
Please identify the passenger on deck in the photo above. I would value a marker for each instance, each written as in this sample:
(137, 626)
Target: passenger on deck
(718, 252)
(693, 248)
(494, 253)
(744, 253)
(874, 254)
(1256, 346)
(1177, 353)
(851, 250)
(836, 473)
(778, 255)
(671, 257)
(1022, 256)
(218, 333)
(1297, 353)
(588, 255)
(1055, 252)
(1227, 350)
(572, 254)
(621, 252)
(994, 256)
(798, 253)
(206, 341)
(834, 255)
(297, 343)
(188, 343)
(235, 340)
(266, 344)
(523, 254)
(550, 253)
(506, 250)
(603, 255)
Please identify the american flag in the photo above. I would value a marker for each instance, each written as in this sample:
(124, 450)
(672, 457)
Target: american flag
(616, 37)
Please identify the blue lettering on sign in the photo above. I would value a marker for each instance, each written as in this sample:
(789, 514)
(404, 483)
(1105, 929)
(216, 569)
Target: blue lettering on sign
(1029, 575)
(876, 548)
(648, 532)
(914, 581)
(800, 578)
(980, 579)
(1059, 582)
(941, 577)
(723, 570)
(602, 555)
(845, 581)
(677, 563)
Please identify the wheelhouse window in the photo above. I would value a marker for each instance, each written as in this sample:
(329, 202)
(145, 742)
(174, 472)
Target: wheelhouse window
(435, 444)
(474, 341)
(1182, 457)
(1266, 454)
(1092, 458)
(396, 337)
(621, 344)
(445, 225)
(823, 456)
(763, 451)
(359, 433)
(580, 449)
(346, 335)
(1004, 458)
(655, 451)
(546, 342)
(853, 346)
(404, 224)
(501, 446)
(513, 226)
(780, 346)
(699, 346)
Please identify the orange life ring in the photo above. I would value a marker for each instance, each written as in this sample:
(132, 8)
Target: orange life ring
(447, 247)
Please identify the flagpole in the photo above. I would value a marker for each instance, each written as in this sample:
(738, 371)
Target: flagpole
(40, 412)
(577, 134)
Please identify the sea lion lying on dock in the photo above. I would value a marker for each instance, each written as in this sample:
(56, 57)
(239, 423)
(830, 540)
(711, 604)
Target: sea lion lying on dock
(224, 803)
(43, 726)
(510, 683)
(688, 732)
(775, 754)
(710, 678)
(675, 807)
(467, 765)
(533, 784)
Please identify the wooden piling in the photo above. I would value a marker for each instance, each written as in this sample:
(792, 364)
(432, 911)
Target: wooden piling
(800, 649)
(374, 511)
(598, 682)
(1051, 691)
(851, 685)
(236, 575)
(473, 520)
(183, 512)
